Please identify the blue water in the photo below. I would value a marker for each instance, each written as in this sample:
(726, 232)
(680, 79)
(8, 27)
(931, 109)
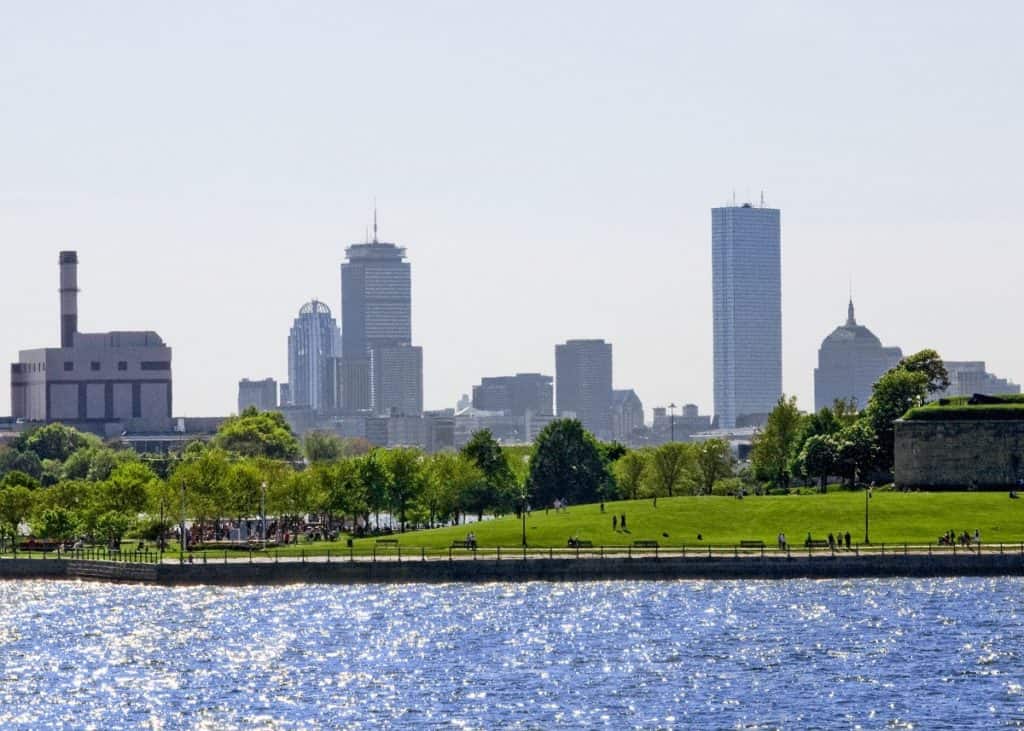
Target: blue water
(751, 655)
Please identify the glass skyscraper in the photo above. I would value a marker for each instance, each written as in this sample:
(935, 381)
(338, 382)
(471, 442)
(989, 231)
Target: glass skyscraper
(746, 274)
(583, 384)
(312, 348)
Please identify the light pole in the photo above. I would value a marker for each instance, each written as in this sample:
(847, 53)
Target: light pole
(672, 421)
(181, 527)
(867, 497)
(263, 513)
(524, 496)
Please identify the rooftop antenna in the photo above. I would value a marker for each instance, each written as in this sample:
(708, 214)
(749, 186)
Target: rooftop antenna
(762, 198)
(375, 220)
(734, 197)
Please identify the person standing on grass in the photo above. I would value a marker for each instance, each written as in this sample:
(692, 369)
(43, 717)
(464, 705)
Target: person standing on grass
(622, 521)
(615, 522)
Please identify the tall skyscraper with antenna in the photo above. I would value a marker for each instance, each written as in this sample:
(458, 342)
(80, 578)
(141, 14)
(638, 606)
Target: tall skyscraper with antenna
(381, 371)
(746, 273)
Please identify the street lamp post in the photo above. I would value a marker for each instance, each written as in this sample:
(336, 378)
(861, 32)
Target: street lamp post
(524, 496)
(263, 514)
(181, 527)
(672, 422)
(867, 497)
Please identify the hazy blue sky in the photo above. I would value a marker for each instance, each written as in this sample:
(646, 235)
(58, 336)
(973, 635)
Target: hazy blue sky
(550, 167)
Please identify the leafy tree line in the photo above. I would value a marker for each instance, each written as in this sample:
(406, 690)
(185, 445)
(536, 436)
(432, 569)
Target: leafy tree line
(841, 441)
(66, 484)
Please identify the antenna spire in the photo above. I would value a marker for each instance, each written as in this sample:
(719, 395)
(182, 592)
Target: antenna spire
(375, 220)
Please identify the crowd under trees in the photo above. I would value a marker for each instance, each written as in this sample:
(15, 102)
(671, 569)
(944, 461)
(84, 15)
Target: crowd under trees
(64, 484)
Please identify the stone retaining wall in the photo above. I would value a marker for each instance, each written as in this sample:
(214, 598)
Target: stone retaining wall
(584, 569)
(957, 455)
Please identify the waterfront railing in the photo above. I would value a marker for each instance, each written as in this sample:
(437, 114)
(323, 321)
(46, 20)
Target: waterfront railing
(400, 553)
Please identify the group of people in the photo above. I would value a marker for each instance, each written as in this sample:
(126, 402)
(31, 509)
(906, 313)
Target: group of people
(619, 522)
(561, 504)
(471, 540)
(951, 538)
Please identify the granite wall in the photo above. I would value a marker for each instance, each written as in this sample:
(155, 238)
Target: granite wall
(958, 455)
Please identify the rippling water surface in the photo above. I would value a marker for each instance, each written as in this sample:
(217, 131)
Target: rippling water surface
(792, 654)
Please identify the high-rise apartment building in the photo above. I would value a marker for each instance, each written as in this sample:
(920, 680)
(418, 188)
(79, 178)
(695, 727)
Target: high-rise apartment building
(261, 395)
(583, 384)
(376, 319)
(516, 394)
(850, 360)
(312, 348)
(746, 273)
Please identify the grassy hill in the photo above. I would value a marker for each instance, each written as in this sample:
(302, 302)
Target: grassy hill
(894, 518)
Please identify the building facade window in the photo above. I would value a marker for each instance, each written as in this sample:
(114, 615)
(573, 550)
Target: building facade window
(69, 366)
(122, 365)
(94, 365)
(155, 365)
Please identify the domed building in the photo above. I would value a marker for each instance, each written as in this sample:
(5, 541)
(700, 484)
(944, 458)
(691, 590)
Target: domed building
(850, 360)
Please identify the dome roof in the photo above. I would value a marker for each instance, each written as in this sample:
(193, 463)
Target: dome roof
(851, 333)
(315, 307)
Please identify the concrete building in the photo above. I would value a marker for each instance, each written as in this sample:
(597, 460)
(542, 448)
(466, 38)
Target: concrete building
(396, 383)
(669, 426)
(746, 271)
(261, 395)
(627, 414)
(505, 428)
(395, 431)
(376, 316)
(515, 394)
(850, 361)
(439, 430)
(100, 382)
(286, 395)
(583, 373)
(968, 377)
(312, 348)
(534, 424)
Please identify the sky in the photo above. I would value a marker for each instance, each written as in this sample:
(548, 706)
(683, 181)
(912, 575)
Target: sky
(549, 166)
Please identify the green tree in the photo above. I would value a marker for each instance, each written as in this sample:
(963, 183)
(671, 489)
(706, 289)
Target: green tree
(671, 468)
(27, 462)
(566, 464)
(930, 364)
(818, 458)
(56, 524)
(323, 447)
(376, 482)
(16, 505)
(127, 489)
(17, 477)
(713, 462)
(630, 471)
(893, 395)
(405, 468)
(448, 478)
(112, 525)
(258, 434)
(57, 441)
(856, 449)
(773, 446)
(346, 493)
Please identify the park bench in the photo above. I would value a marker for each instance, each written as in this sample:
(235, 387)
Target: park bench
(463, 544)
(645, 544)
(387, 542)
(816, 544)
(578, 543)
(751, 544)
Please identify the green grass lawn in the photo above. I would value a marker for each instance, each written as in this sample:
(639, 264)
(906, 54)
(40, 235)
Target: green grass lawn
(894, 518)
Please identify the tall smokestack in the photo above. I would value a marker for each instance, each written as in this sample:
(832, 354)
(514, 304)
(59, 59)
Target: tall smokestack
(68, 298)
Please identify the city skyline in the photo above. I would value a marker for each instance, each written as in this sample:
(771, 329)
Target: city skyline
(568, 201)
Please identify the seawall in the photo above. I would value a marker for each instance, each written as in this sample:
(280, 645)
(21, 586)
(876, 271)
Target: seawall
(512, 570)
